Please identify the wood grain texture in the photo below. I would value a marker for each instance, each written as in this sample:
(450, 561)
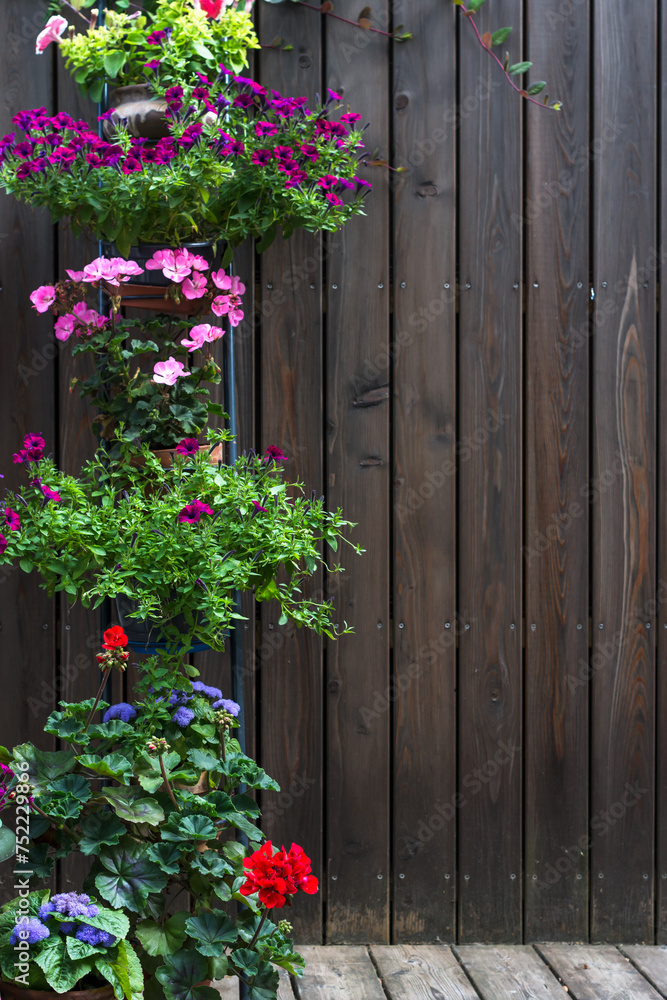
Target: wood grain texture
(338, 972)
(555, 224)
(27, 401)
(661, 590)
(651, 961)
(489, 517)
(624, 461)
(504, 973)
(423, 345)
(290, 660)
(358, 468)
(590, 973)
(421, 972)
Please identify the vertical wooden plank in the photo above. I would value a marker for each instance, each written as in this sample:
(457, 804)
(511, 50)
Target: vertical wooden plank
(291, 393)
(27, 401)
(661, 594)
(555, 223)
(490, 494)
(424, 517)
(624, 351)
(358, 456)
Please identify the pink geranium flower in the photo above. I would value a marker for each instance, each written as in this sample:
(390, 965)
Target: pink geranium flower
(53, 32)
(194, 287)
(76, 275)
(43, 297)
(167, 372)
(235, 314)
(220, 305)
(228, 283)
(202, 334)
(65, 326)
(193, 512)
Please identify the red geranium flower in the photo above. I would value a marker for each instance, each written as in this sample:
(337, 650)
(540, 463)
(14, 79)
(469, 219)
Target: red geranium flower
(277, 877)
(114, 638)
(211, 8)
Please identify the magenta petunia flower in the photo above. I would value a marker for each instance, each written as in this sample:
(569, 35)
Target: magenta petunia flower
(275, 454)
(34, 445)
(258, 506)
(3, 544)
(193, 512)
(12, 519)
(188, 446)
(50, 494)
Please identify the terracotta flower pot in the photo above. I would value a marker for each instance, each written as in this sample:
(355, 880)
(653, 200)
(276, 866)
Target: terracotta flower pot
(166, 456)
(135, 107)
(14, 991)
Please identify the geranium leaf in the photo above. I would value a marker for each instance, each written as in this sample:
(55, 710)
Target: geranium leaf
(162, 939)
(44, 765)
(265, 984)
(129, 876)
(98, 829)
(133, 806)
(114, 766)
(181, 975)
(188, 828)
(167, 856)
(212, 931)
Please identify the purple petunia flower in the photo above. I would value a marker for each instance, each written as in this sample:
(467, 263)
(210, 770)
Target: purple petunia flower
(122, 711)
(193, 511)
(188, 446)
(183, 717)
(31, 930)
(228, 705)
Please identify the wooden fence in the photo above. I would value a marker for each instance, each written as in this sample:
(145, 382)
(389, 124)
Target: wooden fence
(470, 372)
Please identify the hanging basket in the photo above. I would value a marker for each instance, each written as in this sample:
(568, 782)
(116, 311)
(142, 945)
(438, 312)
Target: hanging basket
(146, 636)
(136, 108)
(147, 290)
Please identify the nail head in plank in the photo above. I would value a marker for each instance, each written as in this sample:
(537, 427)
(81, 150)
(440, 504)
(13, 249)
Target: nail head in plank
(338, 971)
(509, 973)
(421, 972)
(594, 972)
(651, 962)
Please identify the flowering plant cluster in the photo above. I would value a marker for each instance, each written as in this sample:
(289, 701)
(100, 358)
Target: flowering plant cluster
(178, 540)
(145, 793)
(237, 164)
(167, 399)
(62, 939)
(170, 44)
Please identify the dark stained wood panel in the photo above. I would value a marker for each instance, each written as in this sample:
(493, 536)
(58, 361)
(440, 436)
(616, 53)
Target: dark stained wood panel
(290, 660)
(555, 226)
(661, 587)
(358, 471)
(423, 351)
(624, 456)
(489, 516)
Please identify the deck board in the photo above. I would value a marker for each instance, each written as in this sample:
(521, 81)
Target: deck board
(597, 973)
(509, 973)
(336, 972)
(651, 962)
(421, 972)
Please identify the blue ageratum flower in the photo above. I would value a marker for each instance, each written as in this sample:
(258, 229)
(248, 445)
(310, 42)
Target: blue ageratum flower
(31, 930)
(206, 690)
(95, 937)
(183, 717)
(69, 904)
(122, 711)
(228, 705)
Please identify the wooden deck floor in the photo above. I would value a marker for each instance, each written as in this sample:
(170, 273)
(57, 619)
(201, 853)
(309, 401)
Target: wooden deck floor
(477, 972)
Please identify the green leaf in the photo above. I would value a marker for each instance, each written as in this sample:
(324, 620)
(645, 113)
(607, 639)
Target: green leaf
(474, 5)
(167, 856)
(7, 842)
(98, 829)
(113, 730)
(112, 921)
(203, 760)
(163, 939)
(67, 796)
(181, 974)
(521, 67)
(537, 88)
(500, 36)
(26, 565)
(61, 971)
(190, 828)
(95, 92)
(212, 931)
(114, 62)
(265, 984)
(44, 765)
(246, 960)
(130, 876)
(133, 806)
(124, 972)
(114, 766)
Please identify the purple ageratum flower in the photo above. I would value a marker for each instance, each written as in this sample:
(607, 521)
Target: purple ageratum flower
(206, 690)
(95, 937)
(228, 705)
(179, 697)
(69, 904)
(183, 717)
(31, 930)
(122, 711)
(67, 927)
